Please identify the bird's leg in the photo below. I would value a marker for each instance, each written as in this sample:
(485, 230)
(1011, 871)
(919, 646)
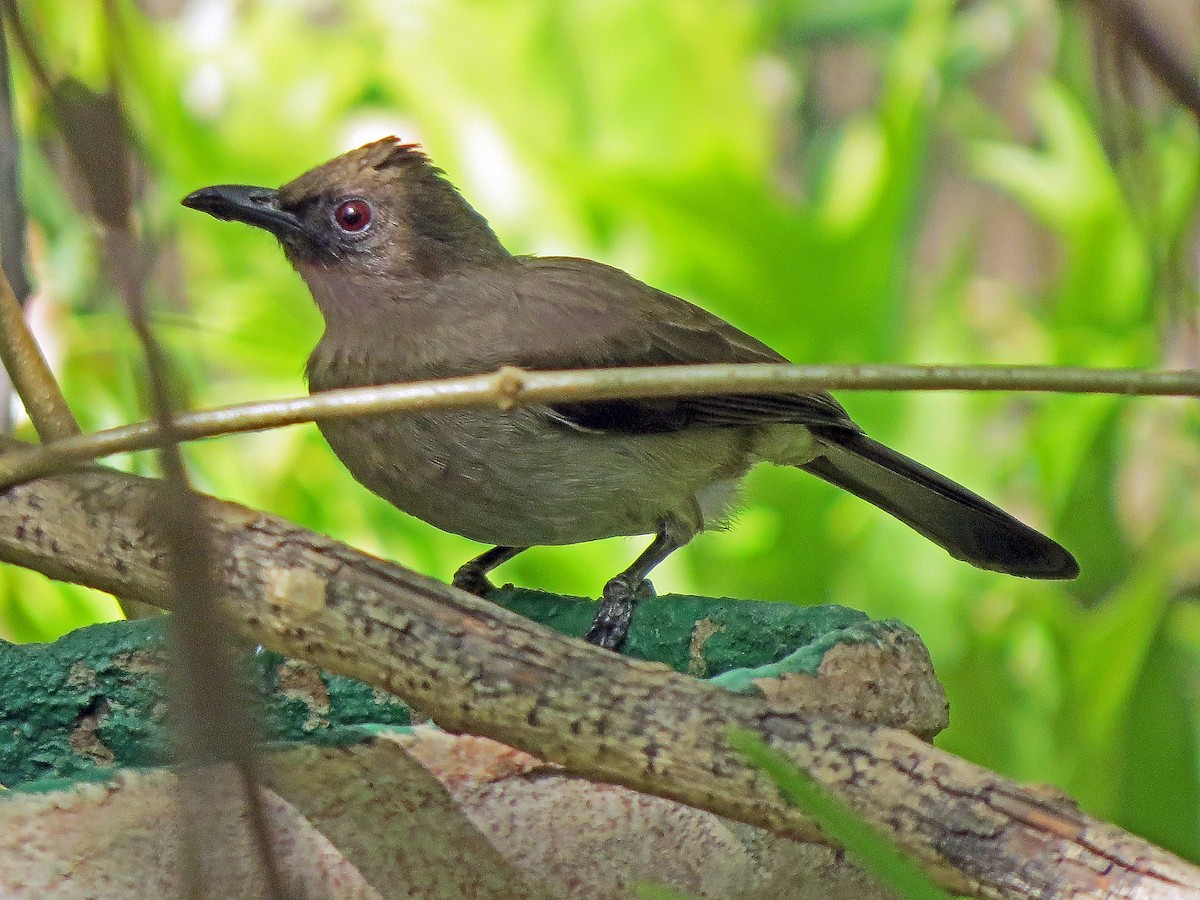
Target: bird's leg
(611, 624)
(472, 575)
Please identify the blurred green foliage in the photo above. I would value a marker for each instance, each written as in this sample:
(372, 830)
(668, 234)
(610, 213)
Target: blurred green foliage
(846, 181)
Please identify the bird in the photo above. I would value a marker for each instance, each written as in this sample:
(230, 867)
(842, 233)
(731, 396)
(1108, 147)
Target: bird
(413, 284)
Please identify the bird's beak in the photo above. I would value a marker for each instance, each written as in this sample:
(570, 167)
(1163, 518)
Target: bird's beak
(245, 203)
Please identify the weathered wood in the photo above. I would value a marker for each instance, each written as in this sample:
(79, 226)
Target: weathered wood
(95, 698)
(477, 668)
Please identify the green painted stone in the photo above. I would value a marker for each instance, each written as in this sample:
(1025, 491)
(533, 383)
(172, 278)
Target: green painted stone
(52, 695)
(700, 636)
(92, 700)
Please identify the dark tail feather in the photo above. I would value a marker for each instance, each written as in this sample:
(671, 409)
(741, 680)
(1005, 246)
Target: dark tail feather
(964, 524)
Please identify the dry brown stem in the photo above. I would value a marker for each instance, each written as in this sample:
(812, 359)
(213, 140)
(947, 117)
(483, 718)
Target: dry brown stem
(30, 373)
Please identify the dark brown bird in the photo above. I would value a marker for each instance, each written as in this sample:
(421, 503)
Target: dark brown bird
(413, 284)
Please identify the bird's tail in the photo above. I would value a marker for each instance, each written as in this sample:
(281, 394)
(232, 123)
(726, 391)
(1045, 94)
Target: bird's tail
(963, 523)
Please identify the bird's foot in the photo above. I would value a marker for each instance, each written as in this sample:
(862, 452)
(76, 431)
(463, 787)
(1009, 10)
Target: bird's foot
(610, 627)
(472, 579)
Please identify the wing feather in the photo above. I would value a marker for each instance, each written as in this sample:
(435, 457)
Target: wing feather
(605, 318)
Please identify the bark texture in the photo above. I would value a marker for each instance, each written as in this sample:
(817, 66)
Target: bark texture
(474, 667)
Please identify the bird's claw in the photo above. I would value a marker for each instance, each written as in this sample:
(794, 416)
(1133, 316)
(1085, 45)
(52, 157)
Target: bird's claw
(610, 626)
(469, 578)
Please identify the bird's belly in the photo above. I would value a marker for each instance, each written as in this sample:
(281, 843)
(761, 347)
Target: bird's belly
(514, 478)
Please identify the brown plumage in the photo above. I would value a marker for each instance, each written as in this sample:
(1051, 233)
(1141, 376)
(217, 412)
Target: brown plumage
(413, 284)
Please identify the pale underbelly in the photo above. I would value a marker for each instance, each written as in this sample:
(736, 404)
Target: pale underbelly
(516, 479)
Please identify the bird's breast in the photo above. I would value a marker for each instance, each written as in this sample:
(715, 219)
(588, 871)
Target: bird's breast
(517, 478)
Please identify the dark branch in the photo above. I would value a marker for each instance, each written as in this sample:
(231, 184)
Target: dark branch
(13, 218)
(1130, 26)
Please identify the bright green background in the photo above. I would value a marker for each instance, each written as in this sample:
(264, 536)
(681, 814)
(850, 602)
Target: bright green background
(728, 152)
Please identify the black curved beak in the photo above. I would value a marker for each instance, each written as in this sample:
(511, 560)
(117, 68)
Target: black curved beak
(256, 206)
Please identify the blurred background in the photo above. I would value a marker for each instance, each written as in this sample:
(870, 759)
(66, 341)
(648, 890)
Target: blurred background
(995, 181)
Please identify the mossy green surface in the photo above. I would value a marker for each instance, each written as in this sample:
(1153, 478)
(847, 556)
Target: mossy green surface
(51, 695)
(807, 658)
(94, 699)
(701, 636)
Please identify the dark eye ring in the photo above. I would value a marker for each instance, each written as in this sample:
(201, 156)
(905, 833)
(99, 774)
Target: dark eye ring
(353, 216)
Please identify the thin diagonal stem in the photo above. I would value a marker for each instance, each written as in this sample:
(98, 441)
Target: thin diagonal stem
(30, 373)
(1130, 25)
(12, 205)
(13, 222)
(218, 724)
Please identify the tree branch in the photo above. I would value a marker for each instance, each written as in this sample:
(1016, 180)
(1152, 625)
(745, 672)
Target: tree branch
(30, 373)
(511, 387)
(475, 667)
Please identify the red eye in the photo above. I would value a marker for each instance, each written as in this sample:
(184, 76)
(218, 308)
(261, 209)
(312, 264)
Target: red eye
(352, 216)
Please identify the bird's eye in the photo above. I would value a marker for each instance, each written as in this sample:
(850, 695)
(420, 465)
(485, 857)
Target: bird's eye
(352, 216)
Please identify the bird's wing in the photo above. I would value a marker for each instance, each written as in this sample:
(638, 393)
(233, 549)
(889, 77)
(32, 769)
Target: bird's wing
(592, 316)
(589, 315)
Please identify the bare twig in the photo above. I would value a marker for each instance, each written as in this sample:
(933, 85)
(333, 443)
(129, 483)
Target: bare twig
(23, 361)
(13, 220)
(30, 373)
(512, 387)
(215, 721)
(1130, 26)
(37, 68)
(476, 667)
(25, 366)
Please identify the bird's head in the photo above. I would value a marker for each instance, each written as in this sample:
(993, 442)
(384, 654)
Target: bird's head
(383, 210)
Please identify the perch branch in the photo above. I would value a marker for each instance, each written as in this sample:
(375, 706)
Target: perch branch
(475, 667)
(511, 387)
